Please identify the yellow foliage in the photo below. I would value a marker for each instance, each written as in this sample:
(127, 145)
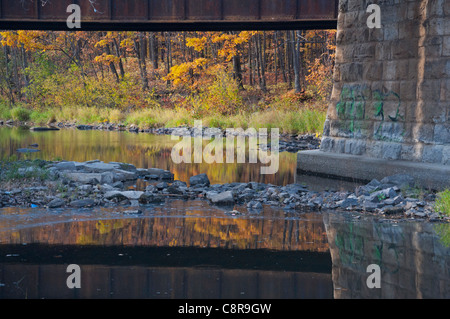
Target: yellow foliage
(183, 73)
(106, 59)
(197, 43)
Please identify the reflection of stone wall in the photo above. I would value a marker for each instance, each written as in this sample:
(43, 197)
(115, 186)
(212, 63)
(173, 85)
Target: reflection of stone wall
(414, 262)
(391, 95)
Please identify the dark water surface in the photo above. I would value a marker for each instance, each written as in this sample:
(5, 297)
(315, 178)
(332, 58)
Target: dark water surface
(189, 249)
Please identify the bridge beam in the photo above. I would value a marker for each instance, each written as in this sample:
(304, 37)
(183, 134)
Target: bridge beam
(171, 15)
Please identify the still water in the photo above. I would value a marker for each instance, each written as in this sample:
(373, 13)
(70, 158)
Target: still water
(189, 249)
(141, 150)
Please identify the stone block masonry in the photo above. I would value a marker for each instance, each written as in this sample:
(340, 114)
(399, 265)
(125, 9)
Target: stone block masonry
(391, 95)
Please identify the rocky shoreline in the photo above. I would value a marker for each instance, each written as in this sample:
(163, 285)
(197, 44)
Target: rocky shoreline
(287, 143)
(43, 184)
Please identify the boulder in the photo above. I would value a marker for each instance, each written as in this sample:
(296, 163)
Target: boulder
(148, 198)
(224, 198)
(56, 203)
(66, 166)
(201, 179)
(82, 203)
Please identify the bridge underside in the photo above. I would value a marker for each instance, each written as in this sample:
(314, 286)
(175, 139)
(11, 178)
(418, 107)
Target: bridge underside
(171, 15)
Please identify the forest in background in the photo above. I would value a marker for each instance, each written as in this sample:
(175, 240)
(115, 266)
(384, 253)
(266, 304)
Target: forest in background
(228, 79)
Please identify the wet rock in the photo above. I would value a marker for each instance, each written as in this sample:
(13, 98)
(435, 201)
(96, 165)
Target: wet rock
(149, 198)
(348, 202)
(44, 129)
(56, 203)
(392, 210)
(254, 205)
(179, 184)
(201, 179)
(175, 190)
(84, 127)
(81, 203)
(132, 212)
(162, 185)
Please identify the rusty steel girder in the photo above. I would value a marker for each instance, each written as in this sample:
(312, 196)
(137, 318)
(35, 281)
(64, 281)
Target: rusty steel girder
(171, 15)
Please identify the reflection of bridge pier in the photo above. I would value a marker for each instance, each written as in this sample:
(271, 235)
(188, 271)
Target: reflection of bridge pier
(414, 262)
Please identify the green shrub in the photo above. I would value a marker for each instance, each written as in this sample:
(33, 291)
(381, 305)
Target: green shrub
(443, 202)
(20, 114)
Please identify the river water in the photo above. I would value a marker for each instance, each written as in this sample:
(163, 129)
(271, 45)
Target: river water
(190, 249)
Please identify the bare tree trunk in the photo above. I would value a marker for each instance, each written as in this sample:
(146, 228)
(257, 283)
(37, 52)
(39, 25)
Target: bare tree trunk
(122, 70)
(261, 71)
(112, 67)
(8, 76)
(140, 46)
(296, 61)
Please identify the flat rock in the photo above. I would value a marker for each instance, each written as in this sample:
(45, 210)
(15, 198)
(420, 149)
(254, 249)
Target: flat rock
(82, 203)
(122, 176)
(44, 129)
(90, 178)
(66, 166)
(224, 198)
(56, 203)
(100, 167)
(131, 195)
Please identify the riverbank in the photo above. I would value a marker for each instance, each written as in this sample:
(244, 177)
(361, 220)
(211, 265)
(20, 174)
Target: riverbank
(45, 184)
(287, 142)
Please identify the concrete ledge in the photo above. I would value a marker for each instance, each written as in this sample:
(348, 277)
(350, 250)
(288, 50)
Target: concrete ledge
(364, 169)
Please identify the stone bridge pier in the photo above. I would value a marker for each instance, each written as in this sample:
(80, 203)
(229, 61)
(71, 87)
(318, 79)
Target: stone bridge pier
(389, 111)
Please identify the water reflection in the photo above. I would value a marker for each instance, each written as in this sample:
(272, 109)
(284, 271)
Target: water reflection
(179, 250)
(414, 258)
(141, 150)
(188, 249)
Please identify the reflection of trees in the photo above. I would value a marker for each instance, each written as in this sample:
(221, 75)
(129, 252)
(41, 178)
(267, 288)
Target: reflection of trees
(443, 231)
(141, 150)
(214, 232)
